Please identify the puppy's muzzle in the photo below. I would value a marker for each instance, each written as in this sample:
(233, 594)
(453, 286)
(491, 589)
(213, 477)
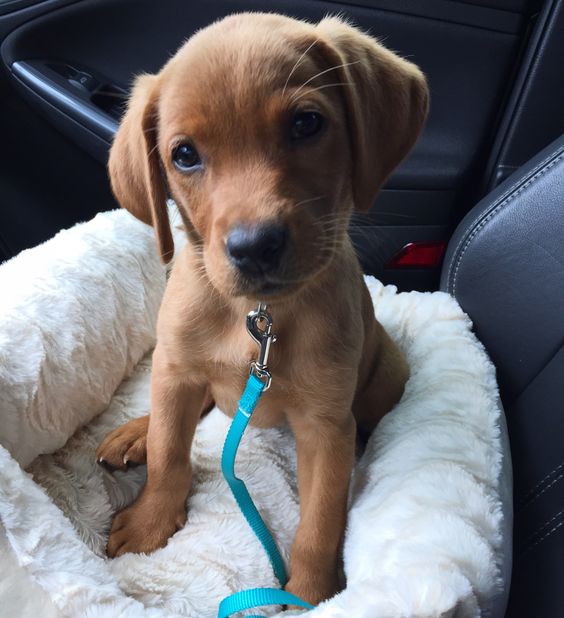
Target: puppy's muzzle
(257, 251)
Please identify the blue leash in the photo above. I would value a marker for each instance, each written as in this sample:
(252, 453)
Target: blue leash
(258, 382)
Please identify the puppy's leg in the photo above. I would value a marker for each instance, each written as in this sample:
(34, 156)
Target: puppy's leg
(160, 509)
(325, 447)
(125, 445)
(384, 373)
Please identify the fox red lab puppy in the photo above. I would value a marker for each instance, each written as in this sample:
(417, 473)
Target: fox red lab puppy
(267, 132)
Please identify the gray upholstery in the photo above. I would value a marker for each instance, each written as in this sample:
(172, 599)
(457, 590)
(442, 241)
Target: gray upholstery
(505, 266)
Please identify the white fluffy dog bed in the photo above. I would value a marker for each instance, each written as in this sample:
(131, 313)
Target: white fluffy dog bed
(77, 319)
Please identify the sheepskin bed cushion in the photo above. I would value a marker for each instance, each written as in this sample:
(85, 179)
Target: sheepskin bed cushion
(77, 318)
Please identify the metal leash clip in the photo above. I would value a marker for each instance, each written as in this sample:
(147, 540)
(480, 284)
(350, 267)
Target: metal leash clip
(259, 326)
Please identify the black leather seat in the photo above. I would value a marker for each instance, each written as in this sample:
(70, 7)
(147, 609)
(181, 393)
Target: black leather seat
(505, 266)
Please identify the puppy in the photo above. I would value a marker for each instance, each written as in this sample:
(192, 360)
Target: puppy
(267, 132)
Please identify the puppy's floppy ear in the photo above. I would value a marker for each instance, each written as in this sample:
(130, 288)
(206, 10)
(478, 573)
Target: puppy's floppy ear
(387, 102)
(134, 164)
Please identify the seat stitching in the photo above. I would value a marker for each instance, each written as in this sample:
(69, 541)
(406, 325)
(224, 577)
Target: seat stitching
(541, 482)
(510, 190)
(561, 523)
(498, 206)
(535, 497)
(546, 523)
(500, 199)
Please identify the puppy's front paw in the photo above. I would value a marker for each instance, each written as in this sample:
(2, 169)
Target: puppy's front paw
(125, 445)
(146, 525)
(312, 586)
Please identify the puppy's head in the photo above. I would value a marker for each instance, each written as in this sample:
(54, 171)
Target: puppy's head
(267, 132)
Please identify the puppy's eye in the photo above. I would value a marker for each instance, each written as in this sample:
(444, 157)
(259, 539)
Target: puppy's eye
(306, 124)
(185, 157)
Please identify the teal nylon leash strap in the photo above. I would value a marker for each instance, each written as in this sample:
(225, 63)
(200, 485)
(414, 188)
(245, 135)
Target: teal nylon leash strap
(256, 597)
(247, 404)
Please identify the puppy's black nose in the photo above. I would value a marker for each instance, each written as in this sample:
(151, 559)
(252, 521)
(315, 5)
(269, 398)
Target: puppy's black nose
(257, 250)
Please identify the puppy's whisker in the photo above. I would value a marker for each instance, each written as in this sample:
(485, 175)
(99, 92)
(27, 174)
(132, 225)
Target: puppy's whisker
(331, 229)
(152, 150)
(328, 245)
(336, 213)
(338, 66)
(311, 199)
(362, 233)
(201, 275)
(296, 66)
(305, 94)
(339, 221)
(332, 225)
(174, 216)
(378, 248)
(333, 217)
(363, 219)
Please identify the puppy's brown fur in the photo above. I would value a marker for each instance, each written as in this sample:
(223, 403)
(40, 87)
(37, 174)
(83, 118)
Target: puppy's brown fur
(233, 90)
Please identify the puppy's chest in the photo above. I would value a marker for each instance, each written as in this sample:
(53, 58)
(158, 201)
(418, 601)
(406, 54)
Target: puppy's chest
(230, 352)
(227, 357)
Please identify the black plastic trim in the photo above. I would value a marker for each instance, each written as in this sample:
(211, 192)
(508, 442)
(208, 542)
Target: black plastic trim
(532, 119)
(49, 90)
